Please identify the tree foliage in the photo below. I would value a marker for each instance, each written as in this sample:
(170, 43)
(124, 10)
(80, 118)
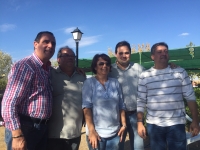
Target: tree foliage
(54, 63)
(5, 63)
(5, 66)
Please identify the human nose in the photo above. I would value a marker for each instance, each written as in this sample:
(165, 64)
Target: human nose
(51, 44)
(124, 55)
(164, 53)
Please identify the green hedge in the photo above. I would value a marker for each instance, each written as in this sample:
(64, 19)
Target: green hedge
(197, 93)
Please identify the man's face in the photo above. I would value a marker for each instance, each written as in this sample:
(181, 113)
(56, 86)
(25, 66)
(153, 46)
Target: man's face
(123, 55)
(67, 58)
(45, 48)
(160, 55)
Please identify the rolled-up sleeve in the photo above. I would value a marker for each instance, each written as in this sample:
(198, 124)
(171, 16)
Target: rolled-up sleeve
(17, 87)
(87, 92)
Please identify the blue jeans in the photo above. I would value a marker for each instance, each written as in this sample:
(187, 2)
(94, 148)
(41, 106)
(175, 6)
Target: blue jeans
(167, 138)
(136, 142)
(8, 139)
(36, 138)
(63, 144)
(111, 143)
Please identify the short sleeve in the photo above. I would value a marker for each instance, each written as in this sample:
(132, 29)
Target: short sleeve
(87, 92)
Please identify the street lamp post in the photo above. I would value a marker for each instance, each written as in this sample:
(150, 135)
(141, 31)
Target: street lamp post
(77, 34)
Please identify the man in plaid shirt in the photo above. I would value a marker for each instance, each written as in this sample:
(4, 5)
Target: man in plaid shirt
(27, 101)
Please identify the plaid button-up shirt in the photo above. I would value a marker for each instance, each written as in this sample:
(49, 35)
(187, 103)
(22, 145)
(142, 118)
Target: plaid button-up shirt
(28, 92)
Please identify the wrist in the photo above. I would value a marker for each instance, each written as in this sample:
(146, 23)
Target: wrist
(18, 136)
(17, 132)
(139, 120)
(124, 126)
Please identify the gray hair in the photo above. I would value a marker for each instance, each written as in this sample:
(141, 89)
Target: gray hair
(65, 47)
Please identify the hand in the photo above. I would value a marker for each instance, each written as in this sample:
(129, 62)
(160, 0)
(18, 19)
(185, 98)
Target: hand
(194, 128)
(93, 138)
(173, 66)
(19, 143)
(141, 130)
(80, 71)
(121, 132)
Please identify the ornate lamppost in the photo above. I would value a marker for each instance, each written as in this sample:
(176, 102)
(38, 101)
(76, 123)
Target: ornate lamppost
(77, 34)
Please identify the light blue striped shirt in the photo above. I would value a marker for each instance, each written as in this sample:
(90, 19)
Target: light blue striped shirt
(105, 104)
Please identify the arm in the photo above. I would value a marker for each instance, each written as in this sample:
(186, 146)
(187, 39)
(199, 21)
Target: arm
(122, 111)
(194, 127)
(16, 90)
(140, 127)
(15, 94)
(18, 140)
(189, 95)
(123, 122)
(87, 105)
(141, 105)
(93, 135)
(80, 71)
(173, 66)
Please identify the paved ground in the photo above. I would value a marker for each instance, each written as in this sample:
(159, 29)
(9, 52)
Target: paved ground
(83, 145)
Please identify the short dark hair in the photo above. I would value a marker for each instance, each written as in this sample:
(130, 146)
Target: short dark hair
(39, 35)
(122, 43)
(65, 47)
(95, 60)
(153, 48)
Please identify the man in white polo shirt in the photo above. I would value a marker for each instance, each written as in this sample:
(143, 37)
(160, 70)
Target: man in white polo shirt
(160, 92)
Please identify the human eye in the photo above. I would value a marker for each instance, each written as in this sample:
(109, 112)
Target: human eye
(46, 41)
(127, 53)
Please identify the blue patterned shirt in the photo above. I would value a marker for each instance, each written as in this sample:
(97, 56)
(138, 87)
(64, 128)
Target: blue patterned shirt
(105, 104)
(28, 92)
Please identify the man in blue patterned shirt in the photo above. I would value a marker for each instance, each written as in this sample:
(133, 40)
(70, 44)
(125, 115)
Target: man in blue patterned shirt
(27, 101)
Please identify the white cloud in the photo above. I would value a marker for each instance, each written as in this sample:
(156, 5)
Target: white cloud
(7, 27)
(85, 41)
(69, 30)
(184, 34)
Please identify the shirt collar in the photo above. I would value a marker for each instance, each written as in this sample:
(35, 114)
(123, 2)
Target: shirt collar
(45, 67)
(59, 70)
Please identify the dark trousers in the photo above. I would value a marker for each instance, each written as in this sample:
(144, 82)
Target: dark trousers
(63, 144)
(36, 138)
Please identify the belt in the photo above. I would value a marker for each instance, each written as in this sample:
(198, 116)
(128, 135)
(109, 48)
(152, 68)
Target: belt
(34, 120)
(131, 112)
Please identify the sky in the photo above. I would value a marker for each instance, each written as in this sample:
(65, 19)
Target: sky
(103, 22)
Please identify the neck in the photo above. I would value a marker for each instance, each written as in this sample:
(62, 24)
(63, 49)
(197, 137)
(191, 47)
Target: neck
(160, 66)
(68, 70)
(44, 60)
(102, 78)
(122, 66)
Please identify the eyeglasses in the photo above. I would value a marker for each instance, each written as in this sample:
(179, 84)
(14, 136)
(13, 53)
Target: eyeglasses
(121, 53)
(67, 55)
(104, 63)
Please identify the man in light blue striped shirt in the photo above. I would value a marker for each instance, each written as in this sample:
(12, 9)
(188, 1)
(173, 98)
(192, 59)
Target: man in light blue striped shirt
(160, 92)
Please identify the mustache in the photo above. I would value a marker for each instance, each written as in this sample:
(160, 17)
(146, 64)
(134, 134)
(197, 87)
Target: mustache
(163, 56)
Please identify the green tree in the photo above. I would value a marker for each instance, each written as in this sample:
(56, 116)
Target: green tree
(5, 66)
